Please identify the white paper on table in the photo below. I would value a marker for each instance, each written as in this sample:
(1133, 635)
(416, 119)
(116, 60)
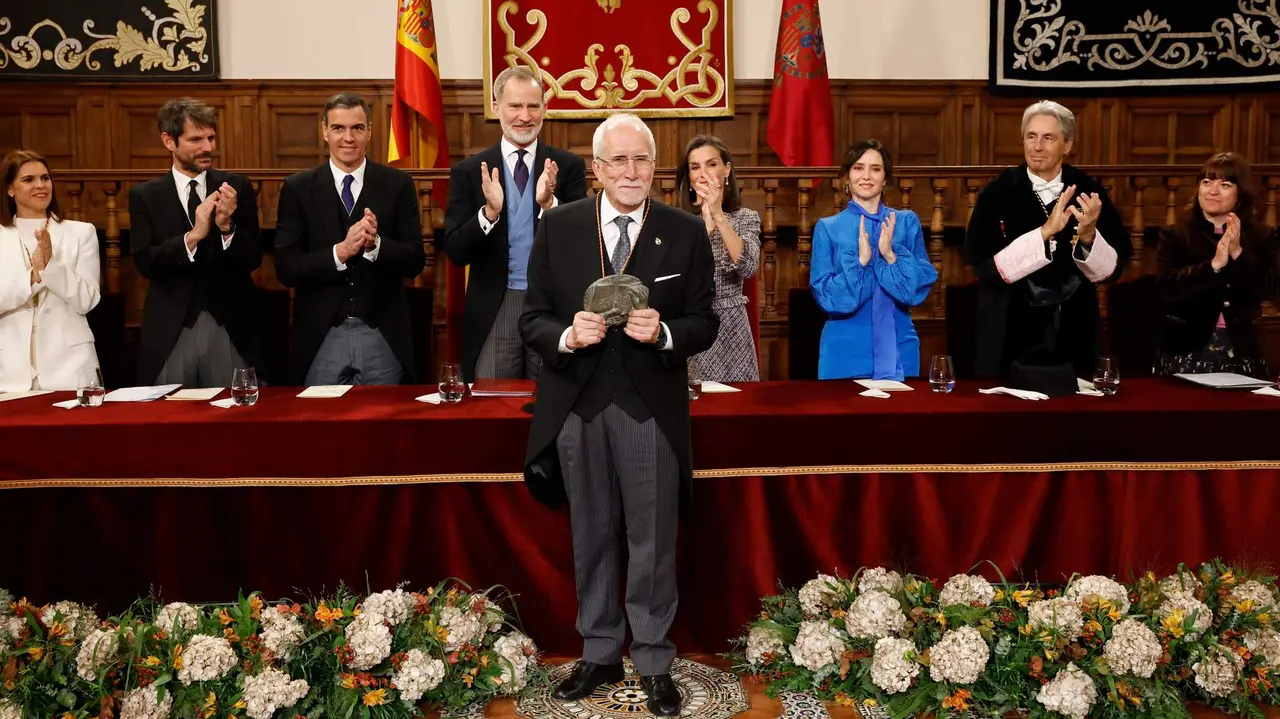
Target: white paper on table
(1087, 388)
(710, 387)
(1268, 391)
(873, 392)
(1224, 380)
(1019, 393)
(433, 398)
(227, 403)
(204, 393)
(140, 394)
(325, 391)
(884, 385)
(7, 396)
(67, 404)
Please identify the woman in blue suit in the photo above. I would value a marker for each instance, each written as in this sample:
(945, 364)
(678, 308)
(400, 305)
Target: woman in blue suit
(867, 287)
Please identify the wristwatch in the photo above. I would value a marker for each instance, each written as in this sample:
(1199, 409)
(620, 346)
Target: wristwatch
(662, 336)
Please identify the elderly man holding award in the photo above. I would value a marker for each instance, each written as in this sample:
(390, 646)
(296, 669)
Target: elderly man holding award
(620, 293)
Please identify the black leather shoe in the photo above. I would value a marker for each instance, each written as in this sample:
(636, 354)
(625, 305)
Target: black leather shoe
(664, 697)
(584, 680)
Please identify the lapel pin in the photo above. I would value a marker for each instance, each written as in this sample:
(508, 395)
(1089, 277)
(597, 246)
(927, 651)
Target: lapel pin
(657, 240)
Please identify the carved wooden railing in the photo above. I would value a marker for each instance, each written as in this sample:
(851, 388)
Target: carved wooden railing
(795, 197)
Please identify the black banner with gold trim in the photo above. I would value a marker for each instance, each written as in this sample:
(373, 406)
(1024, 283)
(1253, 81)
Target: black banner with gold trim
(109, 40)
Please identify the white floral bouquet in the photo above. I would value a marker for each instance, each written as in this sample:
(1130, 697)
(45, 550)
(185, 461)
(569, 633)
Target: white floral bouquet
(387, 655)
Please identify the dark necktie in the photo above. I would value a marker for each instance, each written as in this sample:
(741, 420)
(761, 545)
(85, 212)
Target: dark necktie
(521, 173)
(193, 201)
(348, 200)
(622, 250)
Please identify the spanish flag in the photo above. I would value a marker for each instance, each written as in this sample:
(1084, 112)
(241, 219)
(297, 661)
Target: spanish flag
(418, 134)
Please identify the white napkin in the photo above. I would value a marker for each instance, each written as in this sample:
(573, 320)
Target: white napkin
(68, 404)
(1268, 391)
(226, 403)
(195, 395)
(433, 398)
(1019, 393)
(324, 391)
(1087, 388)
(874, 393)
(711, 387)
(884, 385)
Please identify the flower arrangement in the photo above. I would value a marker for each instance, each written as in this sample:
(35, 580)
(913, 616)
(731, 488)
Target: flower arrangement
(387, 655)
(970, 647)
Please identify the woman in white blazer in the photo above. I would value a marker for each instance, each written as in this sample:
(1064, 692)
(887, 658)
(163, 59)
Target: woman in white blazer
(49, 280)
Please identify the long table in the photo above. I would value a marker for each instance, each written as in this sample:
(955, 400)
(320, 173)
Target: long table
(293, 495)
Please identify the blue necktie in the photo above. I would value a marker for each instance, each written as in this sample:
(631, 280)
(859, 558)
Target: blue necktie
(348, 200)
(622, 250)
(521, 173)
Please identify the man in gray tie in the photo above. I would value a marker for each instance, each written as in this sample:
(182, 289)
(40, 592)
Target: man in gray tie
(348, 235)
(496, 198)
(611, 418)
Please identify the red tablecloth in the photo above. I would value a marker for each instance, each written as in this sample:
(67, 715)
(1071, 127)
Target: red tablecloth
(794, 478)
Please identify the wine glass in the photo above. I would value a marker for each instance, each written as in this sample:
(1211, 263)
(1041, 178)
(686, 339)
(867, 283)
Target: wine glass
(89, 389)
(451, 385)
(942, 376)
(244, 386)
(1106, 378)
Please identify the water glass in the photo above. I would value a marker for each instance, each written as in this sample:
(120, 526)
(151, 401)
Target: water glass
(244, 387)
(451, 385)
(89, 389)
(942, 375)
(695, 388)
(1106, 378)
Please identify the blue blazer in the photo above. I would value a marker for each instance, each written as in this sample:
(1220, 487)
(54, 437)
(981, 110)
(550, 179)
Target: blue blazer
(843, 288)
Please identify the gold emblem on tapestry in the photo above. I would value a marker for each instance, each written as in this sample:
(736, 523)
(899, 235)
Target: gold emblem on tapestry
(609, 5)
(693, 79)
(177, 42)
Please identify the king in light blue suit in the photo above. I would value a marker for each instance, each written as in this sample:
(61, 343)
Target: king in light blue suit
(869, 333)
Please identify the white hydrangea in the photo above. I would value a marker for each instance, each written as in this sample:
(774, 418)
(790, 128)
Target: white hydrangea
(395, 605)
(1070, 692)
(9, 710)
(78, 619)
(417, 675)
(1059, 614)
(967, 589)
(282, 632)
(959, 657)
(817, 596)
(141, 703)
(520, 654)
(494, 617)
(762, 641)
(817, 645)
(1184, 584)
(874, 615)
(206, 658)
(369, 638)
(1188, 606)
(879, 579)
(1133, 649)
(5, 600)
(97, 651)
(1262, 597)
(1264, 643)
(10, 628)
(270, 691)
(464, 627)
(1219, 673)
(893, 665)
(184, 615)
(1104, 587)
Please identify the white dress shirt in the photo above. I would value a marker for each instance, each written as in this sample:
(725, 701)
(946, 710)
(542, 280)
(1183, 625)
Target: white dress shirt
(609, 228)
(357, 185)
(510, 156)
(202, 190)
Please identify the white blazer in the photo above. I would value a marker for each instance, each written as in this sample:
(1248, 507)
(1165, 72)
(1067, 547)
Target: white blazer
(63, 341)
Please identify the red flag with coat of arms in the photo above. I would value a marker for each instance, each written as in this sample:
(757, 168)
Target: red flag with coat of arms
(801, 120)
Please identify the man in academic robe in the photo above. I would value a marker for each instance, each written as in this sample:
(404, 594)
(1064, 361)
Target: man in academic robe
(1042, 234)
(496, 198)
(611, 418)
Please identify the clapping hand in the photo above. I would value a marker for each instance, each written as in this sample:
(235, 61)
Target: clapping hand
(546, 193)
(1232, 235)
(1089, 207)
(224, 207)
(491, 186)
(1060, 216)
(886, 238)
(864, 243)
(44, 248)
(371, 223)
(712, 194)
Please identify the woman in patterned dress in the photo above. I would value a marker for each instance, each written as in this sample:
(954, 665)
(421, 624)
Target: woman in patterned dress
(705, 184)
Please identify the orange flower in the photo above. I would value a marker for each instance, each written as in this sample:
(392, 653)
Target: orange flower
(224, 617)
(375, 698)
(58, 629)
(327, 616)
(348, 681)
(177, 657)
(36, 653)
(255, 606)
(958, 701)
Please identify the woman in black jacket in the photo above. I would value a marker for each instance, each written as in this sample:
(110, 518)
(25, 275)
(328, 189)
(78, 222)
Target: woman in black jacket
(1215, 270)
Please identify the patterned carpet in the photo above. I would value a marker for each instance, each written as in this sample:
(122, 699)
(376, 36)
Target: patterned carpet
(708, 693)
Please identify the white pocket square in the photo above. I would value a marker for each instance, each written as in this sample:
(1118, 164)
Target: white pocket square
(664, 278)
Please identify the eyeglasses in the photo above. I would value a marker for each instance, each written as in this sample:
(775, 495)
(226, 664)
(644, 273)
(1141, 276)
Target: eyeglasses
(643, 162)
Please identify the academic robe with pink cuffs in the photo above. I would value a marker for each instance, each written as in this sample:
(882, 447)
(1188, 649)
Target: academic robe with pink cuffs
(1037, 294)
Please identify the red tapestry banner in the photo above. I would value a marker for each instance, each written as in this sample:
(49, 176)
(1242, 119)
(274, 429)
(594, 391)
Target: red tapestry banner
(655, 58)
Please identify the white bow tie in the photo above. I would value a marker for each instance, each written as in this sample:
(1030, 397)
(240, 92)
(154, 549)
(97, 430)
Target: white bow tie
(1040, 186)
